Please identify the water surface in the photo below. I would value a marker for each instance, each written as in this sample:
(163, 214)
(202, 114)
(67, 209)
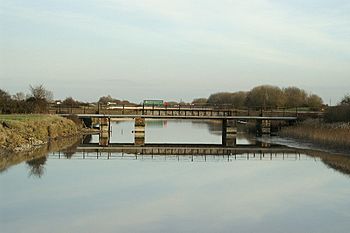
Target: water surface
(307, 191)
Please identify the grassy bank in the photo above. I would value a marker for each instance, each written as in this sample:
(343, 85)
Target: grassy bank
(330, 135)
(23, 132)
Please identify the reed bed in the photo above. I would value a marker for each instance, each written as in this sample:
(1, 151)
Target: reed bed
(331, 135)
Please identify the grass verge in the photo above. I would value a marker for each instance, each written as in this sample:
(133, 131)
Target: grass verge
(22, 132)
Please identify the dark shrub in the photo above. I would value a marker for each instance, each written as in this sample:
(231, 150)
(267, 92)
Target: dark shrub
(339, 113)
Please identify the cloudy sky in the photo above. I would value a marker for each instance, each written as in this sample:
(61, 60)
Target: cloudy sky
(176, 49)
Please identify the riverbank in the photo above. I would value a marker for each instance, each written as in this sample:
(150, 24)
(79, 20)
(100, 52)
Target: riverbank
(64, 145)
(327, 135)
(25, 132)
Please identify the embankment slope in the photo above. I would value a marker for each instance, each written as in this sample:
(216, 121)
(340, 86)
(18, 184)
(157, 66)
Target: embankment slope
(23, 132)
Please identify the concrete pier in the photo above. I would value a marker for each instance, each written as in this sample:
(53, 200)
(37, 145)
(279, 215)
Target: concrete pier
(263, 127)
(139, 132)
(105, 128)
(229, 132)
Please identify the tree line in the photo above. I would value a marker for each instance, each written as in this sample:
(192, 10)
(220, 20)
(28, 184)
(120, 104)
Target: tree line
(264, 96)
(39, 99)
(340, 112)
(35, 102)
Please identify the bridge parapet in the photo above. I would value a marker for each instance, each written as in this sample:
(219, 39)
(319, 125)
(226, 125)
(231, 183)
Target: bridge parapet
(186, 110)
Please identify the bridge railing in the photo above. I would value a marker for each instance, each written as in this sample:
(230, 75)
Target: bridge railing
(186, 109)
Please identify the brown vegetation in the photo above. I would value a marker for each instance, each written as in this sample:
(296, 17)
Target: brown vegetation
(267, 96)
(65, 145)
(339, 162)
(335, 135)
(36, 102)
(23, 132)
(339, 113)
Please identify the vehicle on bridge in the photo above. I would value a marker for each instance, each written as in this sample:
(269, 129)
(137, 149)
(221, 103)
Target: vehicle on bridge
(155, 103)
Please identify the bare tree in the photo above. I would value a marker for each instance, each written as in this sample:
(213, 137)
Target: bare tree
(39, 92)
(314, 101)
(295, 97)
(69, 101)
(200, 101)
(265, 96)
(40, 98)
(19, 96)
(345, 100)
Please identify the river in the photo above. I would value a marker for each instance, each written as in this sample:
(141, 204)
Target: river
(67, 189)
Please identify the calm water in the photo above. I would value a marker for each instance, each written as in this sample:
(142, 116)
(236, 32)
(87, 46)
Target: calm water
(291, 192)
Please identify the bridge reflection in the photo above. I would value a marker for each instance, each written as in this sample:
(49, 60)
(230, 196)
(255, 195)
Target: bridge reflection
(182, 151)
(190, 158)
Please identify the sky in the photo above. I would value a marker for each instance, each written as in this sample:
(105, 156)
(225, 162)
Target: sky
(174, 49)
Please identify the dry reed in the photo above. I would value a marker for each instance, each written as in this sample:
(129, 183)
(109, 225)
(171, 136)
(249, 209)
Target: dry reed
(335, 135)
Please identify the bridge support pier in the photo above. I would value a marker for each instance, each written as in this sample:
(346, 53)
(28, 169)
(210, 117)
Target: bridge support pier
(229, 132)
(139, 132)
(263, 127)
(105, 130)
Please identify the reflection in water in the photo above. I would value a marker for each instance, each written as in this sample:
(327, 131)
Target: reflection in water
(338, 162)
(36, 158)
(200, 153)
(36, 166)
(174, 188)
